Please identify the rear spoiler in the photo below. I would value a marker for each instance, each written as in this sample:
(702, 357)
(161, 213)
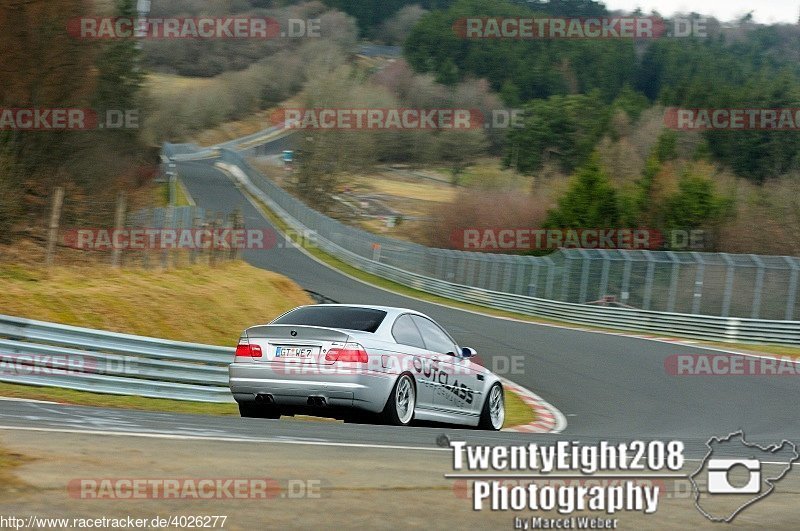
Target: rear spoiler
(315, 333)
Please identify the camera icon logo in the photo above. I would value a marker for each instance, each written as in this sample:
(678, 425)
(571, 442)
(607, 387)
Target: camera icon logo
(719, 469)
(725, 484)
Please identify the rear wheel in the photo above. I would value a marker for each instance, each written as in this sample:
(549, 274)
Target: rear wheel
(493, 414)
(257, 411)
(399, 408)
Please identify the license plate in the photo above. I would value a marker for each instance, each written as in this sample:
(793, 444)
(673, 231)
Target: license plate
(294, 352)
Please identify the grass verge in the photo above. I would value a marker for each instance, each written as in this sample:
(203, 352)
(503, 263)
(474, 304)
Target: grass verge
(183, 304)
(83, 398)
(200, 304)
(517, 412)
(774, 350)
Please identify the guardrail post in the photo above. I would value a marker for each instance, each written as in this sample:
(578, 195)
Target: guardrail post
(648, 282)
(440, 265)
(470, 272)
(732, 329)
(482, 272)
(216, 224)
(148, 222)
(792, 297)
(55, 217)
(206, 249)
(726, 297)
(605, 272)
(485, 264)
(565, 276)
(168, 216)
(584, 276)
(625, 294)
(237, 222)
(461, 270)
(176, 253)
(533, 283)
(119, 223)
(673, 281)
(758, 286)
(510, 266)
(196, 226)
(551, 273)
(698, 282)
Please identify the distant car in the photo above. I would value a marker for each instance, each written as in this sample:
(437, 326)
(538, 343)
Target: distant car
(346, 360)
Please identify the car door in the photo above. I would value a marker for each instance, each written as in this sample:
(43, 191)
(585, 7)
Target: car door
(456, 380)
(410, 341)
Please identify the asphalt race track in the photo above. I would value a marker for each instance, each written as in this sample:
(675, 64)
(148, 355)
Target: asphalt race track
(608, 386)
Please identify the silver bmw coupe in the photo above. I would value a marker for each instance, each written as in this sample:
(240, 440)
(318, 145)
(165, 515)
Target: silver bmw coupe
(354, 362)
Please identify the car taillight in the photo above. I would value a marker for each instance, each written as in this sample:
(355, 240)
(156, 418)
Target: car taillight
(244, 348)
(350, 352)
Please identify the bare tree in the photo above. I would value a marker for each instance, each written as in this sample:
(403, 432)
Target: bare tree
(397, 29)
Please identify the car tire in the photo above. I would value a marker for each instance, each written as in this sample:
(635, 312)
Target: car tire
(257, 411)
(493, 413)
(399, 410)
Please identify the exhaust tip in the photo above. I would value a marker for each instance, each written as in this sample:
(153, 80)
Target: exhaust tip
(317, 401)
(265, 399)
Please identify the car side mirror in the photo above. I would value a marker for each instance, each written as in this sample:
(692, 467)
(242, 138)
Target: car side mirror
(467, 352)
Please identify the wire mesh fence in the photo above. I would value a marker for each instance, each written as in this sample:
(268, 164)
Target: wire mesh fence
(717, 284)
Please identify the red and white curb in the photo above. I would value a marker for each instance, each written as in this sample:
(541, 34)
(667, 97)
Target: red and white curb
(548, 419)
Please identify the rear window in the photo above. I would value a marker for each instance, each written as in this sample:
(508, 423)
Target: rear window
(362, 319)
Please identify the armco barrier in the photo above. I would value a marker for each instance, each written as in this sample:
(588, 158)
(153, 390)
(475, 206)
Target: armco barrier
(55, 355)
(398, 260)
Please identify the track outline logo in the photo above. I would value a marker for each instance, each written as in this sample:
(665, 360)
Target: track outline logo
(753, 465)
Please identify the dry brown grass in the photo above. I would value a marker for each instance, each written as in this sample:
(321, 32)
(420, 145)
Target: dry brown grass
(200, 304)
(403, 188)
(9, 482)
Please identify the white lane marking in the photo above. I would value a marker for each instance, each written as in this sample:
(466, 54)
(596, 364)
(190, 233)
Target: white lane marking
(223, 439)
(251, 440)
(32, 401)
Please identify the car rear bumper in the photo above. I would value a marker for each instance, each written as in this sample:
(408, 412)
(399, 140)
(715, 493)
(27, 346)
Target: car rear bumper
(360, 389)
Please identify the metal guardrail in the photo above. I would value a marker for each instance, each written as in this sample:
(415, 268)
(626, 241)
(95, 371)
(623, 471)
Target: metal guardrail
(497, 271)
(55, 355)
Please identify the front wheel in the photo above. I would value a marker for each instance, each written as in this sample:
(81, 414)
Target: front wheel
(399, 408)
(257, 411)
(493, 414)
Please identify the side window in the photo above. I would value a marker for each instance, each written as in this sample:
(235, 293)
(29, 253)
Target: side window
(405, 332)
(436, 339)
